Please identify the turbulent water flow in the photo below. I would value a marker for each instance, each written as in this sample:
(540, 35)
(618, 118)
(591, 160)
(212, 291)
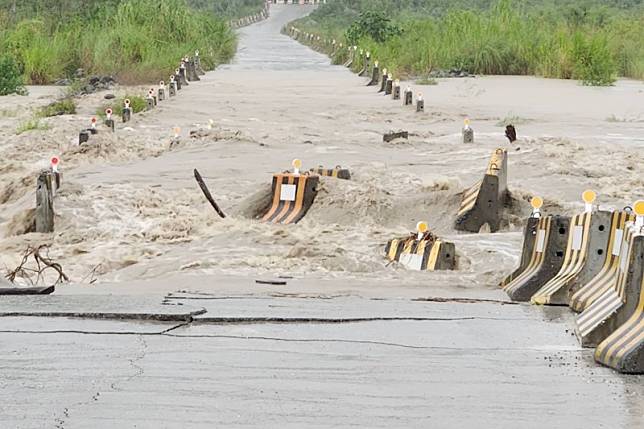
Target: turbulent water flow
(130, 209)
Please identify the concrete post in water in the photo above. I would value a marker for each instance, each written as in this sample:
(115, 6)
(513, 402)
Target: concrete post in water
(127, 111)
(375, 75)
(365, 66)
(191, 69)
(44, 202)
(161, 91)
(92, 129)
(177, 79)
(109, 122)
(83, 136)
(54, 170)
(468, 132)
(408, 97)
(484, 202)
(383, 81)
(198, 67)
(172, 87)
(420, 103)
(396, 90)
(389, 87)
(150, 101)
(182, 74)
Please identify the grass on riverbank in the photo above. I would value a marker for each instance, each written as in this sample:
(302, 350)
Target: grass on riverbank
(508, 37)
(134, 40)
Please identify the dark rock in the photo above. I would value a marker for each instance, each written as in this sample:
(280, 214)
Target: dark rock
(109, 96)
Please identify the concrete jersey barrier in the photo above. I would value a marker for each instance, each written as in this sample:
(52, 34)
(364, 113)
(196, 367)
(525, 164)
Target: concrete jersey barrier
(604, 281)
(546, 258)
(587, 243)
(293, 196)
(483, 202)
(613, 308)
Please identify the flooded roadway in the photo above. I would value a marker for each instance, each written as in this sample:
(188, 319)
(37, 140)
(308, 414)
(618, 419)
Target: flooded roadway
(344, 343)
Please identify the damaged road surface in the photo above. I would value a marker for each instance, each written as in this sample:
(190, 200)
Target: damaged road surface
(304, 362)
(178, 333)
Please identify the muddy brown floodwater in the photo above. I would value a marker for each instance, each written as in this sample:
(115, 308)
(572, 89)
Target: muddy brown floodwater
(132, 221)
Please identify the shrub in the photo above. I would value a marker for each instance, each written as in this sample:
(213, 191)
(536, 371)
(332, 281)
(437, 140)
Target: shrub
(65, 106)
(31, 125)
(10, 77)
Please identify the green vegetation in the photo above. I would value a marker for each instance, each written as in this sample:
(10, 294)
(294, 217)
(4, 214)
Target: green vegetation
(590, 40)
(31, 125)
(137, 103)
(66, 106)
(134, 40)
(10, 77)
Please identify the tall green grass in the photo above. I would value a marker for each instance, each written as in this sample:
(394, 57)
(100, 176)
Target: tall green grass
(135, 40)
(593, 43)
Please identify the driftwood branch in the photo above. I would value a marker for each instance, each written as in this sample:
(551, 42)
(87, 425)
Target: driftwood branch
(43, 264)
(208, 195)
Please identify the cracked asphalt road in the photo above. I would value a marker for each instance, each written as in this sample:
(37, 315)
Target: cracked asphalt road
(481, 364)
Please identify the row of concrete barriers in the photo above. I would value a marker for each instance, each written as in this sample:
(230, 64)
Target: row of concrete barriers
(594, 263)
(250, 19)
(49, 179)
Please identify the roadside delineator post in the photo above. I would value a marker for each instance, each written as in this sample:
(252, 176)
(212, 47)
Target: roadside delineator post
(92, 129)
(109, 122)
(172, 87)
(396, 90)
(177, 79)
(389, 87)
(127, 111)
(161, 91)
(54, 162)
(198, 66)
(176, 131)
(83, 135)
(468, 132)
(408, 97)
(149, 100)
(182, 74)
(383, 80)
(366, 63)
(375, 75)
(420, 103)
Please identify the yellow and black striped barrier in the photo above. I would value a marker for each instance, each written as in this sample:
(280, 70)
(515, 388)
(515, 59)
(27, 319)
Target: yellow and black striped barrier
(337, 172)
(617, 303)
(585, 253)
(604, 281)
(483, 202)
(529, 237)
(546, 258)
(422, 251)
(623, 350)
(293, 196)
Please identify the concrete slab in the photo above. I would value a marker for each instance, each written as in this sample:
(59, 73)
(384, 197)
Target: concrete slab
(96, 307)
